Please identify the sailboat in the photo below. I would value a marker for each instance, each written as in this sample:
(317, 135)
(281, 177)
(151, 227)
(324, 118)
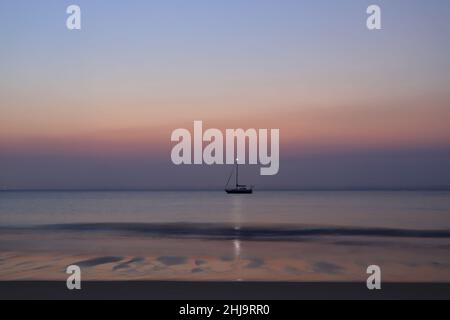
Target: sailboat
(239, 188)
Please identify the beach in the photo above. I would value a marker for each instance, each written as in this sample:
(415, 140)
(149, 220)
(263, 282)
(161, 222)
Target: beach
(222, 291)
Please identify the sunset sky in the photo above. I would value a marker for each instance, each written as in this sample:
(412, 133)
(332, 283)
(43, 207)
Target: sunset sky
(95, 108)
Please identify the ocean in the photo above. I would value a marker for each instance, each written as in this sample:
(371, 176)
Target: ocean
(211, 236)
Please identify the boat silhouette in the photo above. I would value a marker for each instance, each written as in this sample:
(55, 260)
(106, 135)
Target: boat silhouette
(239, 188)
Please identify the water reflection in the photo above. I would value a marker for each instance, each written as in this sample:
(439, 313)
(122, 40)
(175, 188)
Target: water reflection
(236, 213)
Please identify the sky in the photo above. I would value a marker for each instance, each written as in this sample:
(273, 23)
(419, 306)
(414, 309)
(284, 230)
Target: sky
(95, 108)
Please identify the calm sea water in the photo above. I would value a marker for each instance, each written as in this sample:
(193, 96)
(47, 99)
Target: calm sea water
(270, 236)
(422, 210)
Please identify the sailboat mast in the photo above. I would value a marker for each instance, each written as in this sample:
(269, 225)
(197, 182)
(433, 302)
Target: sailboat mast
(237, 174)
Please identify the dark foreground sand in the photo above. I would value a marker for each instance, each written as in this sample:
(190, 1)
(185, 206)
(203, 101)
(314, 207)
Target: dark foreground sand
(155, 290)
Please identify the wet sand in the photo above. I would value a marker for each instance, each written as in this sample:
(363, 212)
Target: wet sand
(37, 254)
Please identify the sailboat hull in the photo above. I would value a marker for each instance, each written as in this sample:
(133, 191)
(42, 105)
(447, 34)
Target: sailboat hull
(239, 191)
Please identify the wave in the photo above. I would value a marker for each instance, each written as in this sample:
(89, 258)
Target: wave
(225, 232)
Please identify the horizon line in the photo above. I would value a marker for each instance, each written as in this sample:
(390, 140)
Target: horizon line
(183, 189)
